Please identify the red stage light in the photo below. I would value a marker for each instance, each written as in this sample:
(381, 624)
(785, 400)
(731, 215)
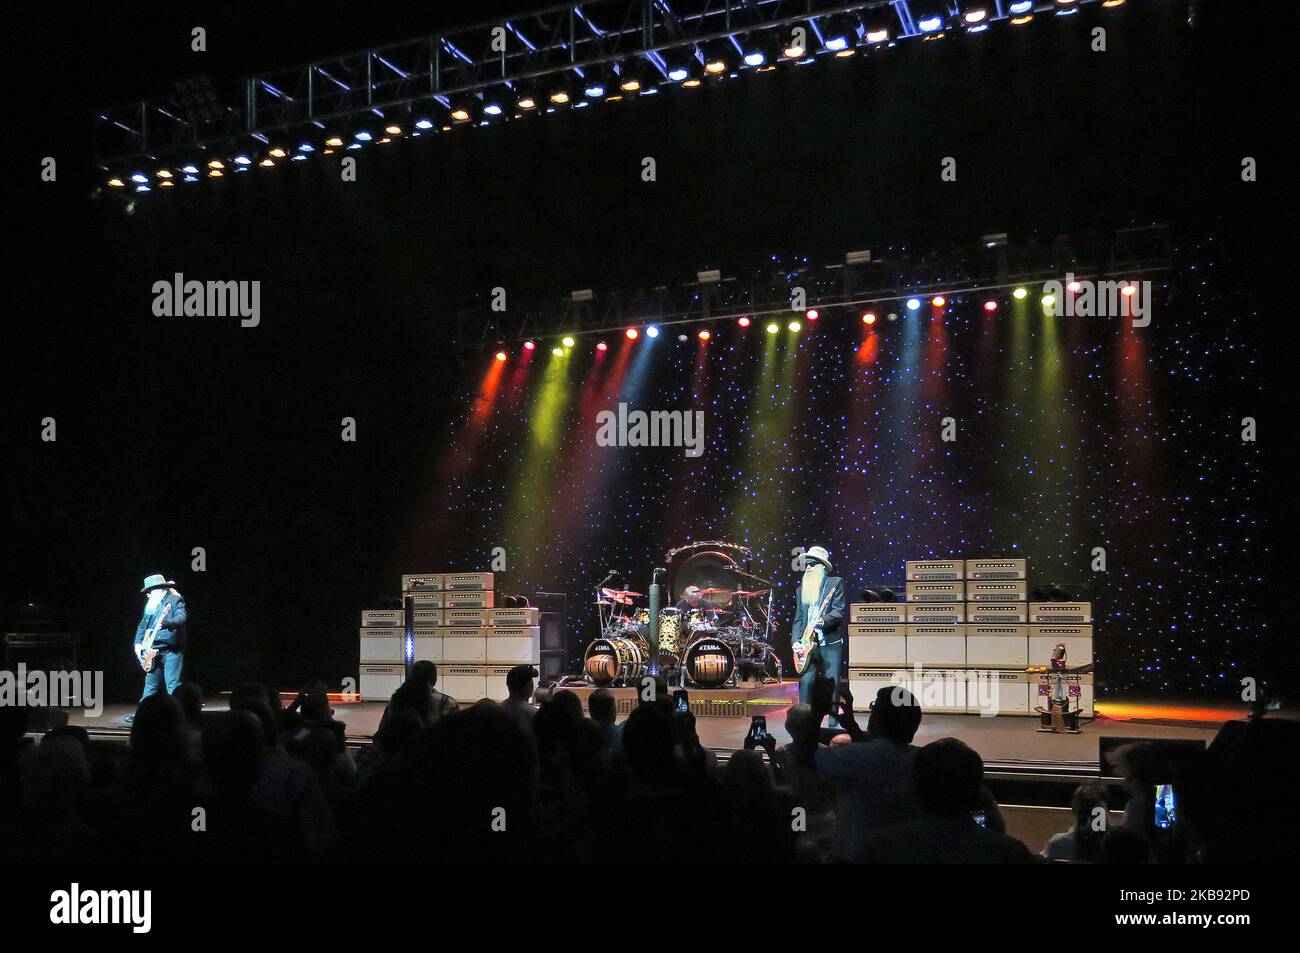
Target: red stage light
(529, 345)
(501, 355)
(812, 314)
(1128, 290)
(632, 334)
(990, 306)
(743, 322)
(602, 346)
(938, 301)
(705, 335)
(869, 317)
(1074, 287)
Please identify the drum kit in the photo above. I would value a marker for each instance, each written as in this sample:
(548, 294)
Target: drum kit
(713, 641)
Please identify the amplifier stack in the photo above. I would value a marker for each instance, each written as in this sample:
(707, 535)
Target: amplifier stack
(966, 639)
(455, 624)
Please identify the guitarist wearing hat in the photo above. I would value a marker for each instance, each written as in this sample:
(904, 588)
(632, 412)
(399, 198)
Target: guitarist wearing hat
(817, 639)
(160, 637)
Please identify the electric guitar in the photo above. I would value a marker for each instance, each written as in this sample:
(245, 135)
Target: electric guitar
(147, 652)
(802, 648)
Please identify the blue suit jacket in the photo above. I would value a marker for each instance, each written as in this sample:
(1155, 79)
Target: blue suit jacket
(173, 630)
(832, 618)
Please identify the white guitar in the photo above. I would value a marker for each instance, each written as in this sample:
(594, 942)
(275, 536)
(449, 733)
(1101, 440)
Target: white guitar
(145, 652)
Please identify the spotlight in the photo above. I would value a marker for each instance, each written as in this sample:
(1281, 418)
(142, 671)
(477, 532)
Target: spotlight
(1074, 287)
(938, 301)
(1020, 294)
(840, 33)
(215, 173)
(704, 335)
(267, 163)
(491, 107)
(1128, 290)
(1066, 7)
(913, 304)
(719, 58)
(501, 355)
(869, 318)
(753, 54)
(277, 152)
(558, 351)
(683, 67)
(632, 334)
(743, 322)
(333, 142)
(990, 306)
(682, 338)
(164, 173)
(393, 129)
(422, 124)
(773, 327)
(795, 326)
(167, 183)
(460, 110)
(243, 160)
(597, 83)
(812, 314)
(190, 169)
(1048, 300)
(525, 98)
(652, 332)
(1109, 4)
(602, 346)
(139, 178)
(632, 76)
(930, 17)
(559, 93)
(116, 183)
(361, 135)
(568, 341)
(974, 14)
(876, 26)
(530, 345)
(1017, 7)
(794, 48)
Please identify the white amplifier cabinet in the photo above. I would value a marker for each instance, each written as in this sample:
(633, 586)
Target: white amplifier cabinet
(426, 599)
(467, 644)
(516, 644)
(866, 681)
(465, 683)
(997, 646)
(1010, 590)
(1069, 613)
(381, 644)
(998, 613)
(935, 591)
(378, 682)
(992, 569)
(940, 690)
(383, 617)
(494, 682)
(940, 613)
(871, 613)
(1044, 638)
(422, 581)
(427, 618)
(877, 645)
(428, 646)
(467, 581)
(992, 692)
(934, 570)
(938, 645)
(468, 599)
(529, 615)
(465, 617)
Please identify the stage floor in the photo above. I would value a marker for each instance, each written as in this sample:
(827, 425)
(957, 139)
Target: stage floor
(1007, 741)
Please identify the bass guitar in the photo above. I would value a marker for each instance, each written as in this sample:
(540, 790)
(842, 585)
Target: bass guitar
(146, 653)
(802, 647)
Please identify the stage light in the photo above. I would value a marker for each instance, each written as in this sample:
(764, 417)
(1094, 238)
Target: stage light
(116, 182)
(277, 152)
(492, 108)
(682, 338)
(361, 135)
(568, 341)
(1020, 294)
(460, 111)
(190, 169)
(333, 142)
(869, 318)
(938, 301)
(215, 173)
(558, 351)
(501, 355)
(559, 93)
(632, 76)
(632, 334)
(143, 188)
(1128, 290)
(423, 124)
(530, 345)
(773, 327)
(1112, 3)
(704, 335)
(243, 160)
(840, 33)
(990, 306)
(1017, 7)
(1066, 7)
(795, 326)
(794, 49)
(525, 98)
(743, 322)
(216, 164)
(167, 183)
(597, 82)
(974, 14)
(1074, 287)
(1048, 300)
(652, 332)
(930, 17)
(393, 129)
(139, 178)
(602, 346)
(267, 163)
(812, 314)
(684, 68)
(719, 57)
(752, 52)
(913, 304)
(164, 173)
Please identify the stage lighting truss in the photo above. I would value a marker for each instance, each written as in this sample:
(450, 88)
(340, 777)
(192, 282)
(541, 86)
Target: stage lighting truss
(874, 293)
(559, 57)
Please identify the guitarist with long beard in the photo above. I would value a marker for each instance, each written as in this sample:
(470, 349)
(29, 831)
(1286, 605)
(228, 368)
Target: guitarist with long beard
(818, 634)
(160, 637)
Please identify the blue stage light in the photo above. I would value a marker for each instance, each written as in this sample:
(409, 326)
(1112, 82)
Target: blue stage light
(492, 109)
(836, 43)
(755, 58)
(929, 24)
(423, 124)
(362, 136)
(678, 73)
(1020, 6)
(913, 304)
(652, 332)
(139, 177)
(242, 159)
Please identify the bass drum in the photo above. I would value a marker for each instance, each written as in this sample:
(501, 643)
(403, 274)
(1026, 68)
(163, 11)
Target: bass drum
(615, 658)
(709, 662)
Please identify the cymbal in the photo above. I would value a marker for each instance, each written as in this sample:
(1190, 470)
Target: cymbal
(746, 594)
(620, 595)
(717, 592)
